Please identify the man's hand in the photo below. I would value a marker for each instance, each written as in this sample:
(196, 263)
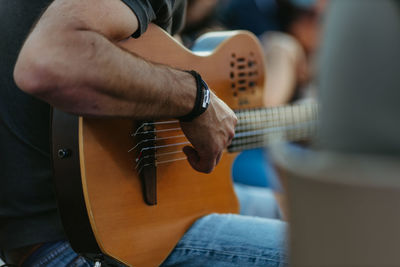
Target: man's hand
(209, 134)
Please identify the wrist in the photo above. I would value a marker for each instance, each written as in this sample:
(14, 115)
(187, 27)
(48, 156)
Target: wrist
(202, 100)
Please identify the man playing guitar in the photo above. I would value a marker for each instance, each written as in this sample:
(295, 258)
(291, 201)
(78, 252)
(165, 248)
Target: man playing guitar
(73, 60)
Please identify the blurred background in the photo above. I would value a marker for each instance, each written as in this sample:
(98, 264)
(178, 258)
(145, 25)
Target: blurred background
(289, 32)
(342, 186)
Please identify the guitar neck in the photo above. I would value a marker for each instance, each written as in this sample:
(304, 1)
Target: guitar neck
(259, 127)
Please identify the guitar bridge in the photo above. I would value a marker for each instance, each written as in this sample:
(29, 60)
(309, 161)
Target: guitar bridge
(145, 160)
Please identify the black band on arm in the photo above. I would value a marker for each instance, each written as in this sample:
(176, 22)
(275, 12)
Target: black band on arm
(202, 98)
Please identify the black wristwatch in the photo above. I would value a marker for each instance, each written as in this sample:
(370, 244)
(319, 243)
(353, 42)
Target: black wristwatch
(202, 98)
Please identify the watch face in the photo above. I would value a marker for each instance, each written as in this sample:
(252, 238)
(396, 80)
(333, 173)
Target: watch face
(206, 98)
(206, 94)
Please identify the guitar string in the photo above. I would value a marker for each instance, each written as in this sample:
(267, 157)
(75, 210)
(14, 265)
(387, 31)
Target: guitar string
(273, 129)
(245, 134)
(252, 114)
(276, 110)
(267, 122)
(241, 146)
(163, 146)
(276, 117)
(153, 124)
(139, 161)
(261, 140)
(139, 158)
(238, 135)
(160, 163)
(158, 131)
(243, 143)
(238, 138)
(248, 146)
(241, 127)
(155, 139)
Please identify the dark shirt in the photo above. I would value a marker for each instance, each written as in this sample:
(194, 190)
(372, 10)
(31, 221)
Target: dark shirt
(169, 15)
(28, 210)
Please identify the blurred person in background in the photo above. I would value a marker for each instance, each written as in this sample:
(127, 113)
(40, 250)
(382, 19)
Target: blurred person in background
(289, 34)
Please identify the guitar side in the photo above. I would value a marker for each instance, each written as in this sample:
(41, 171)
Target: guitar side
(123, 225)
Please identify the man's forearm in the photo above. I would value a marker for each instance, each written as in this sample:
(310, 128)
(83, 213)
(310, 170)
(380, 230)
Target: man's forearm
(83, 72)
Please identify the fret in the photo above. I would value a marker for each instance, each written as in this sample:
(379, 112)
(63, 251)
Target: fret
(259, 127)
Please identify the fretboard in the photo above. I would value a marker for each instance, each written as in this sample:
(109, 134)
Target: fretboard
(259, 127)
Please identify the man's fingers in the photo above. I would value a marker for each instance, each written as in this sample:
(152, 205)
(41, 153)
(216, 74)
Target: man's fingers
(191, 155)
(205, 165)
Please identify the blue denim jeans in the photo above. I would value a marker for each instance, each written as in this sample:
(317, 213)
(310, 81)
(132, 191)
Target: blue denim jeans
(231, 240)
(214, 240)
(257, 201)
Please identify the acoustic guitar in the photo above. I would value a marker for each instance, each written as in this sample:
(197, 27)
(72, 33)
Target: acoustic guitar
(125, 190)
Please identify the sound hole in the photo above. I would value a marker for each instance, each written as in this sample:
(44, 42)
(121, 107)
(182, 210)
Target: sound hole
(243, 73)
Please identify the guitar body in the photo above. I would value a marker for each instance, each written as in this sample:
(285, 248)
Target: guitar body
(99, 189)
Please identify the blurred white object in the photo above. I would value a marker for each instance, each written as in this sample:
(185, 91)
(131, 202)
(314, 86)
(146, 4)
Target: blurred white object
(343, 209)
